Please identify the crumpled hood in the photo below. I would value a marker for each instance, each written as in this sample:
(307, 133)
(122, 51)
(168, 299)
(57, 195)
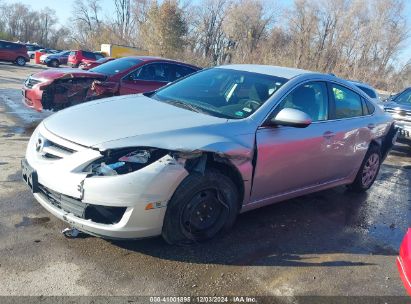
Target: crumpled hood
(128, 117)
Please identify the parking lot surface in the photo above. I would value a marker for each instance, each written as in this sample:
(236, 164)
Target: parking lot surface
(330, 243)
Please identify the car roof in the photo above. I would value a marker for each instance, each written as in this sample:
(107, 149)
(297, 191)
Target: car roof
(283, 72)
(18, 43)
(154, 58)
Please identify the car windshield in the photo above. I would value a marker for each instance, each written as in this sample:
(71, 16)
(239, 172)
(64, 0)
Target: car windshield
(221, 92)
(116, 66)
(404, 98)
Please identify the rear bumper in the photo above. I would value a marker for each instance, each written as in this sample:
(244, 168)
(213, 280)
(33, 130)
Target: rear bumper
(404, 262)
(404, 276)
(32, 98)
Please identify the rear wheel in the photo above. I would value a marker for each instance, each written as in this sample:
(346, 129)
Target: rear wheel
(20, 61)
(54, 63)
(368, 171)
(201, 207)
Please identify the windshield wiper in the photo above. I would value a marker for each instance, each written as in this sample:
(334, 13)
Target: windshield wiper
(184, 105)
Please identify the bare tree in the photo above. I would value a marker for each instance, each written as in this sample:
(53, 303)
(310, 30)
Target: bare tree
(124, 21)
(86, 23)
(246, 26)
(207, 35)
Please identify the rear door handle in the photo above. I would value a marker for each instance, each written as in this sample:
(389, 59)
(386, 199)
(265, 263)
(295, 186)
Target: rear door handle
(329, 134)
(371, 126)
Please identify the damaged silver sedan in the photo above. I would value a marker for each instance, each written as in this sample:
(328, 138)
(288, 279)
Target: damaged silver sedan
(182, 162)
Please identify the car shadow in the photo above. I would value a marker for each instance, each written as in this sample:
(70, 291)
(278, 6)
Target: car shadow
(10, 67)
(304, 231)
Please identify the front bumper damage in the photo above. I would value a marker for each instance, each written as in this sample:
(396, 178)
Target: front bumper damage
(62, 92)
(71, 195)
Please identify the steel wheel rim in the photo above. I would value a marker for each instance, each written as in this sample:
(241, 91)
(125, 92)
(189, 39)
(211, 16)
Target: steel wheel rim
(21, 61)
(370, 169)
(205, 213)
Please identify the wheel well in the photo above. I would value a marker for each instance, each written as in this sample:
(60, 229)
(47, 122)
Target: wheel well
(375, 143)
(225, 166)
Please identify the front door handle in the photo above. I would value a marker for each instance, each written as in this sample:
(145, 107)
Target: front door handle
(371, 126)
(329, 134)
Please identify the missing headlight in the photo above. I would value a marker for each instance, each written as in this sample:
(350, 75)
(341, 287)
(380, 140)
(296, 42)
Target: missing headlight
(123, 161)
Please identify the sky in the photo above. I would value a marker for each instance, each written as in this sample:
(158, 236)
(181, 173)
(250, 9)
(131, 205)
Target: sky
(64, 9)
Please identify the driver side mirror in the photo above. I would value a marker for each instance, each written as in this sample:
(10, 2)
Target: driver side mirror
(292, 118)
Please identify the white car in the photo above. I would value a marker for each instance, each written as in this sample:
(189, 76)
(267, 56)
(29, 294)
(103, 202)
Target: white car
(43, 57)
(184, 160)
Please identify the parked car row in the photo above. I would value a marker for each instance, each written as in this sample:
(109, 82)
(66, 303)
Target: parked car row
(77, 58)
(20, 53)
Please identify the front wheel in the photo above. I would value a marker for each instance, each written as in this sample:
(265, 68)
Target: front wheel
(20, 61)
(201, 207)
(368, 171)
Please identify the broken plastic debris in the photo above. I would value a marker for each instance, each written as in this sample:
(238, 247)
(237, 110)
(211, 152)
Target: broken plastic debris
(70, 232)
(140, 157)
(109, 169)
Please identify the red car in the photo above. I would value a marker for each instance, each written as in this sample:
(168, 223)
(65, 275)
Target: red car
(404, 261)
(87, 64)
(57, 89)
(77, 57)
(13, 52)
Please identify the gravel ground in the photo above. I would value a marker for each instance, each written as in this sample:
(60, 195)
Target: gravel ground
(325, 244)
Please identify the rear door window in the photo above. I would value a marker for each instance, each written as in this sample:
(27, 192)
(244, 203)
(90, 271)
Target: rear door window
(179, 71)
(89, 55)
(347, 103)
(152, 72)
(8, 45)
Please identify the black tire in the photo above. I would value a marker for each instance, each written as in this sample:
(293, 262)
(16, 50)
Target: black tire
(32, 56)
(368, 171)
(54, 63)
(201, 207)
(20, 61)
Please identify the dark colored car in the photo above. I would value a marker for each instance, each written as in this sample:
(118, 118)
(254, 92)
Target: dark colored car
(57, 89)
(55, 60)
(87, 65)
(76, 57)
(13, 52)
(399, 106)
(404, 262)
